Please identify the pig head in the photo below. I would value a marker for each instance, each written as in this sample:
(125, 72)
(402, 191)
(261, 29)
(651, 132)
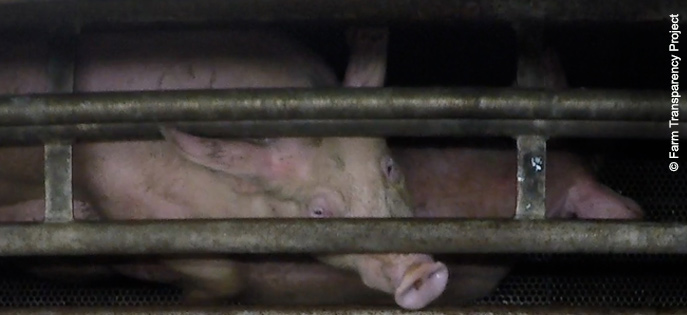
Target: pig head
(187, 176)
(477, 179)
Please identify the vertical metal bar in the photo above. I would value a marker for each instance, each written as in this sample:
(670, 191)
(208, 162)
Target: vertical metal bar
(58, 155)
(531, 202)
(534, 71)
(58, 182)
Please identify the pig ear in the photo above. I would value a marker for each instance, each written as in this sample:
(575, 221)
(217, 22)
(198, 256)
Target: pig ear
(233, 157)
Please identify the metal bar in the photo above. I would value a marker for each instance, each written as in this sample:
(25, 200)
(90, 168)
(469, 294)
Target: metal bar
(58, 156)
(47, 14)
(531, 175)
(372, 128)
(341, 236)
(343, 128)
(334, 104)
(58, 183)
(537, 68)
(472, 310)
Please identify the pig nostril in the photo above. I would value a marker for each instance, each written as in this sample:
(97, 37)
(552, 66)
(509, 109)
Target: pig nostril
(390, 170)
(422, 284)
(417, 284)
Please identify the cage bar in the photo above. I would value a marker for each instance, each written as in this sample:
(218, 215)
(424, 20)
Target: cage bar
(58, 155)
(247, 236)
(334, 104)
(531, 178)
(533, 72)
(58, 183)
(342, 128)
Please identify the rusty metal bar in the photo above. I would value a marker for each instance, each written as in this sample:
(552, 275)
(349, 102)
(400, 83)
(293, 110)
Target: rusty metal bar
(342, 235)
(334, 104)
(58, 155)
(343, 128)
(472, 310)
(84, 13)
(531, 175)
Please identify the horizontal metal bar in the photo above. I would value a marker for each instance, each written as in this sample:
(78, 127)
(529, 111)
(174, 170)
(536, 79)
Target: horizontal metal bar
(47, 14)
(343, 128)
(334, 104)
(342, 235)
(472, 310)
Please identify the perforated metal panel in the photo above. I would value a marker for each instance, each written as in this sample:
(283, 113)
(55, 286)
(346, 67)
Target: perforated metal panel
(21, 290)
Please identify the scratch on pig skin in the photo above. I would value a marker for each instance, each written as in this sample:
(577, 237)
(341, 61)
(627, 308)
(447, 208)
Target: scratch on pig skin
(339, 162)
(316, 142)
(190, 71)
(215, 150)
(213, 78)
(161, 79)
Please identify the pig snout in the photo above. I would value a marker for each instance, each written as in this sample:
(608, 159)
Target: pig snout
(421, 284)
(588, 199)
(415, 280)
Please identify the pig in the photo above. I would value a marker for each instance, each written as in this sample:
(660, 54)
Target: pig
(186, 176)
(463, 179)
(479, 182)
(478, 179)
(476, 172)
(471, 175)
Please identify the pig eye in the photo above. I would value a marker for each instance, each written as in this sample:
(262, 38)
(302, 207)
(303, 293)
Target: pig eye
(390, 169)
